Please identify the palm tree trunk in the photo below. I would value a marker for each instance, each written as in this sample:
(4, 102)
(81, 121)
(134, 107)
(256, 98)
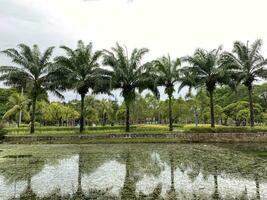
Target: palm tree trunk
(212, 118)
(82, 114)
(33, 114)
(127, 128)
(251, 105)
(170, 113)
(196, 116)
(20, 112)
(18, 121)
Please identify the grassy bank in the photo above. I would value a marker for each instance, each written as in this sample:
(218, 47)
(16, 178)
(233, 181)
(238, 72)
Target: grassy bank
(147, 128)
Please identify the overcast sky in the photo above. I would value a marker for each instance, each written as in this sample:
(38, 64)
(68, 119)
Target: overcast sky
(176, 27)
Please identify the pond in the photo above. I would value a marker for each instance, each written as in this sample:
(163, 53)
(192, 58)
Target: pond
(133, 171)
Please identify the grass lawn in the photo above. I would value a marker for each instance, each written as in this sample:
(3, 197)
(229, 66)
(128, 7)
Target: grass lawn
(142, 128)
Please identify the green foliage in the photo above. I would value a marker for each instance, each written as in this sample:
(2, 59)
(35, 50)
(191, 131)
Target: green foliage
(239, 111)
(264, 116)
(2, 131)
(167, 74)
(128, 74)
(206, 71)
(18, 105)
(247, 65)
(79, 70)
(4, 95)
(32, 71)
(225, 129)
(247, 62)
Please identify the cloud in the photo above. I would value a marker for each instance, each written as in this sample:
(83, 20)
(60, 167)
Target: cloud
(164, 26)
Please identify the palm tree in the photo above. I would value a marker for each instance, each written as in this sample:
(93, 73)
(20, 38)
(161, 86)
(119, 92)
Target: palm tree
(207, 72)
(105, 111)
(80, 71)
(18, 104)
(248, 65)
(56, 111)
(167, 74)
(34, 69)
(129, 74)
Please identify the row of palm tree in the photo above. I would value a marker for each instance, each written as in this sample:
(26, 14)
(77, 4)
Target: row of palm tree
(80, 70)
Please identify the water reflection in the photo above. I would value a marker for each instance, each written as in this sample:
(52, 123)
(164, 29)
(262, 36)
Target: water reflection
(133, 172)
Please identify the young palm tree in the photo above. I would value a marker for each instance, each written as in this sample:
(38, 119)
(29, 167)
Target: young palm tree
(79, 70)
(247, 65)
(207, 72)
(32, 67)
(18, 104)
(129, 74)
(167, 74)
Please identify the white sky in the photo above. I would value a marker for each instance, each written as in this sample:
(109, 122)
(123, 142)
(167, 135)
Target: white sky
(177, 27)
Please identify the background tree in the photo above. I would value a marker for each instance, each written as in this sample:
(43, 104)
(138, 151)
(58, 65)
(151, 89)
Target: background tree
(129, 74)
(70, 115)
(79, 70)
(248, 65)
(18, 104)
(105, 110)
(56, 111)
(43, 114)
(239, 111)
(35, 69)
(167, 74)
(139, 110)
(152, 105)
(5, 93)
(208, 72)
(91, 110)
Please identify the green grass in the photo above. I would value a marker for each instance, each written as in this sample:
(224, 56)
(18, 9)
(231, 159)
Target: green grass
(223, 129)
(143, 128)
(53, 130)
(109, 141)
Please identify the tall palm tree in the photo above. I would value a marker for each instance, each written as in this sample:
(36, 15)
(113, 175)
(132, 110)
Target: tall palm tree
(18, 104)
(80, 71)
(33, 68)
(248, 65)
(167, 74)
(207, 72)
(129, 74)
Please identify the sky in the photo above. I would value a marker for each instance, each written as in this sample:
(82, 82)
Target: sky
(175, 27)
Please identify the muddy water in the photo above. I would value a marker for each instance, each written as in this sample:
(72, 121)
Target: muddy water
(133, 171)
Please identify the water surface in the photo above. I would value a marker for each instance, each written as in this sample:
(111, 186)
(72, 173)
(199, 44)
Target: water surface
(133, 171)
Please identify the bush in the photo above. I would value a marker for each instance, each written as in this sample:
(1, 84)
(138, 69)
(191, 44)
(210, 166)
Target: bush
(2, 131)
(226, 129)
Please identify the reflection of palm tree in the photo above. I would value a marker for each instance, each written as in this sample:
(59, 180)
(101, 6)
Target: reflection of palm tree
(79, 192)
(257, 182)
(172, 172)
(171, 192)
(28, 192)
(128, 190)
(216, 194)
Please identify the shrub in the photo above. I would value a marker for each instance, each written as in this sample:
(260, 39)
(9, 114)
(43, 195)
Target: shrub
(226, 129)
(2, 131)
